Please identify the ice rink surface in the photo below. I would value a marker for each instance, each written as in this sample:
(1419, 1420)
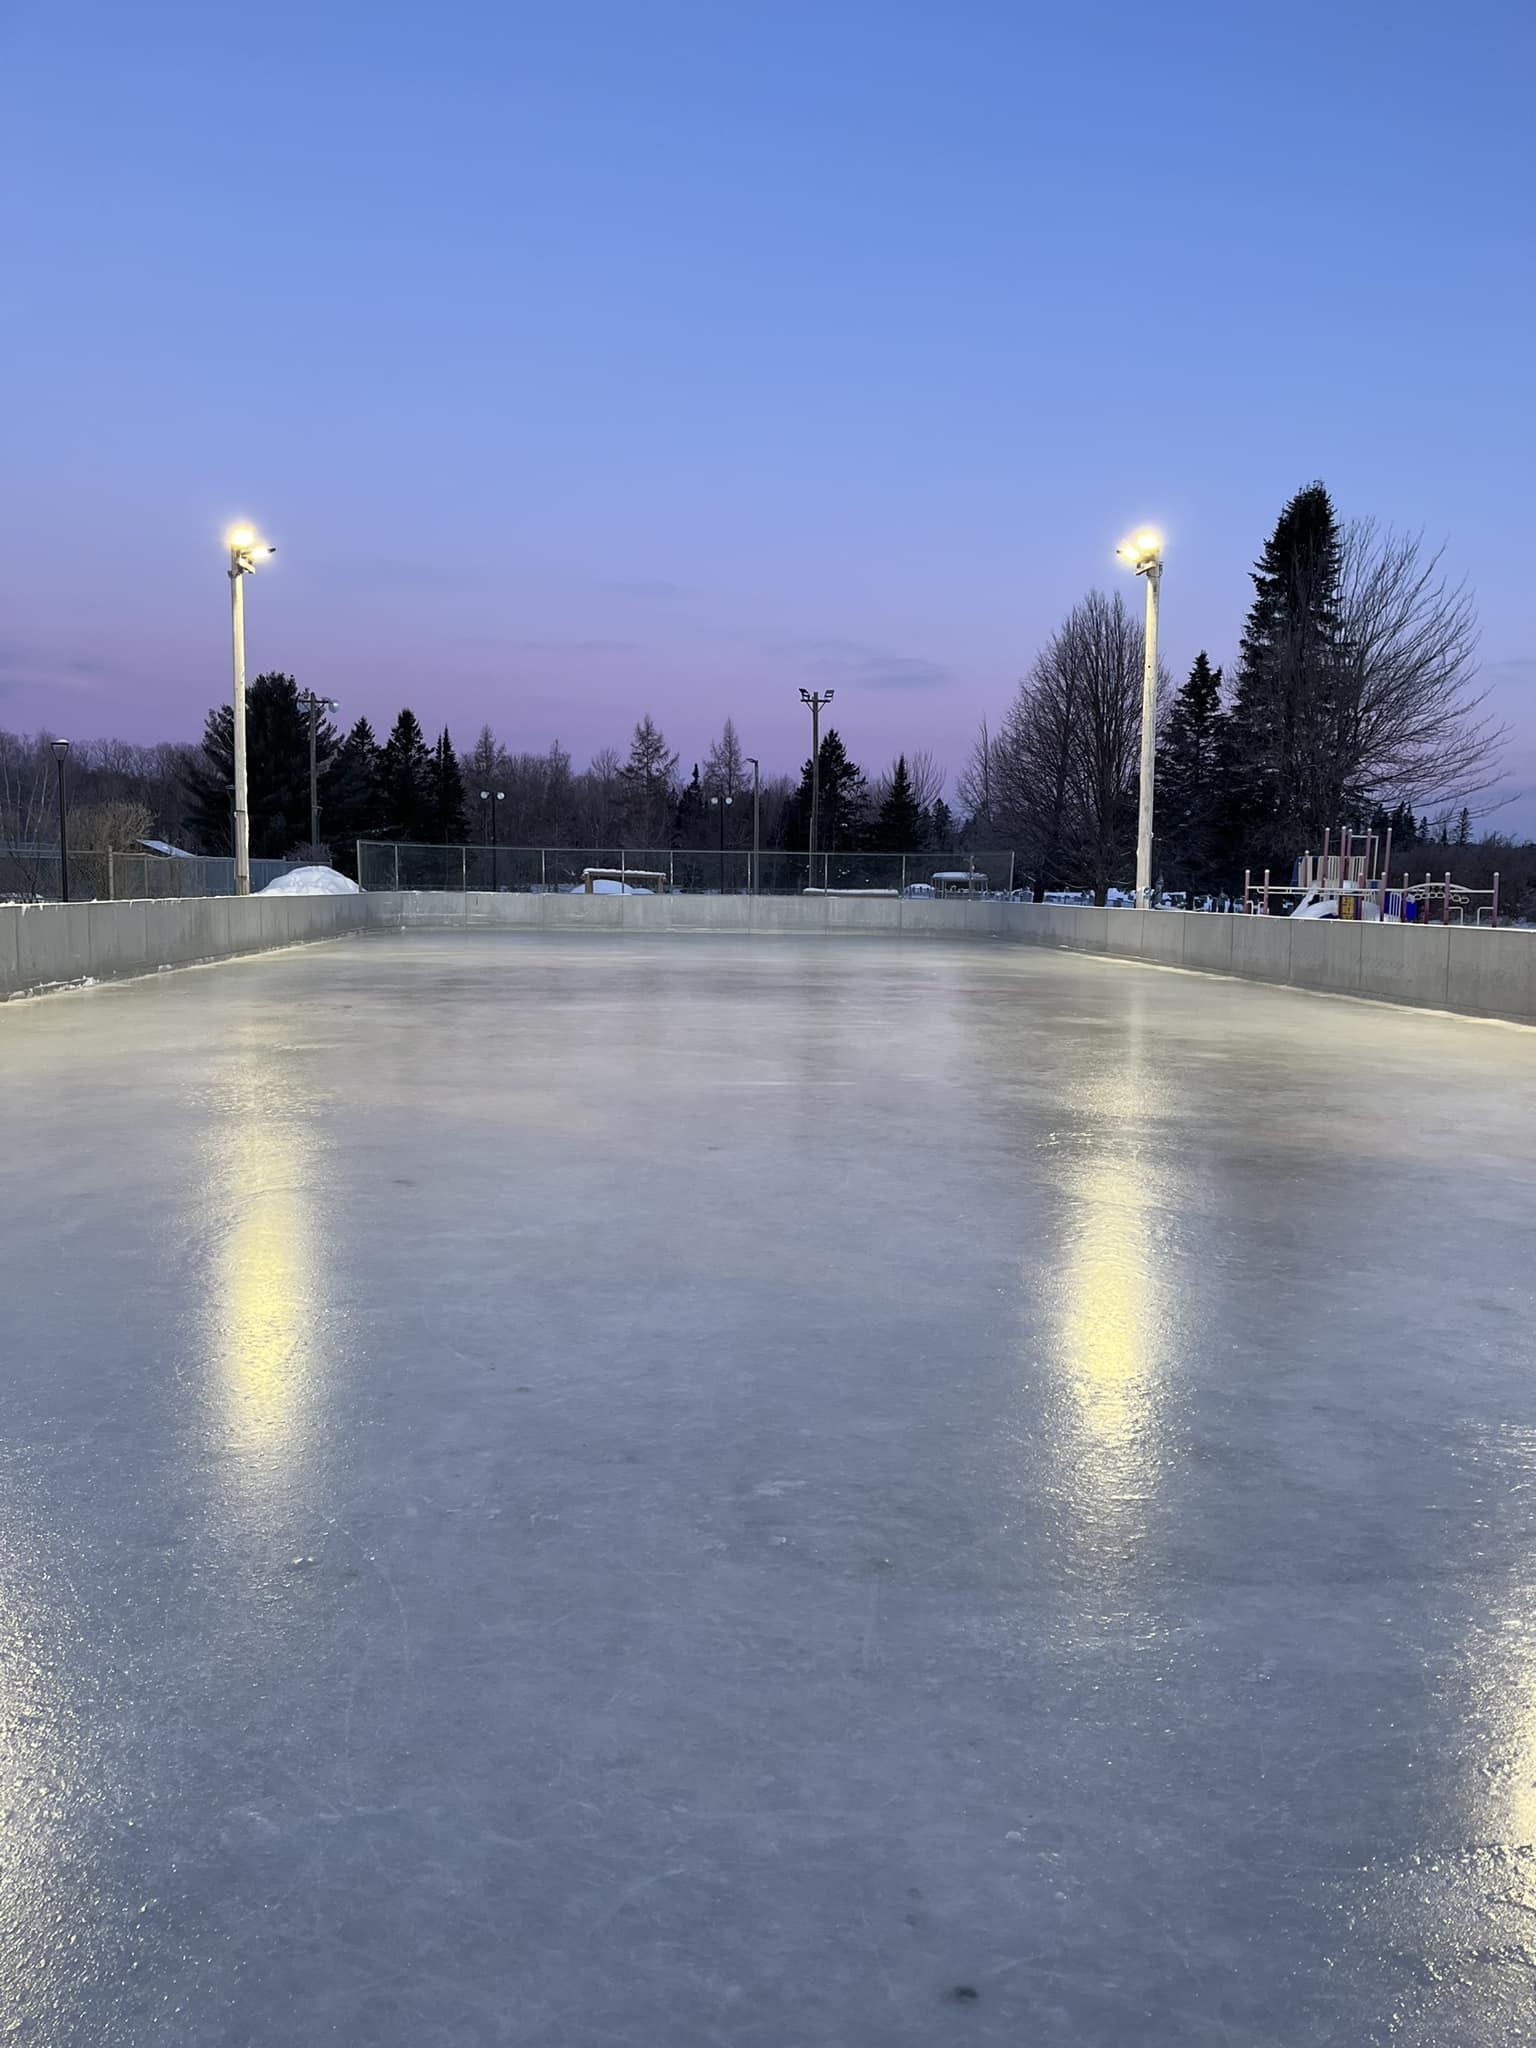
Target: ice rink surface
(648, 1492)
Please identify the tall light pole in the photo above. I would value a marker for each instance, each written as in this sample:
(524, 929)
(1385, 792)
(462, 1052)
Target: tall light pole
(1145, 556)
(815, 698)
(61, 755)
(245, 551)
(316, 706)
(757, 782)
(493, 797)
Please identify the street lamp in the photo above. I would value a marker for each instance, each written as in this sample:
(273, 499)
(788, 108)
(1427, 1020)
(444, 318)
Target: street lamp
(722, 805)
(757, 782)
(245, 551)
(1144, 554)
(316, 706)
(815, 698)
(61, 755)
(493, 797)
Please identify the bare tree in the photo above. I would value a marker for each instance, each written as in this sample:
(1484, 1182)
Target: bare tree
(926, 777)
(1061, 771)
(724, 767)
(974, 785)
(1412, 728)
(1106, 649)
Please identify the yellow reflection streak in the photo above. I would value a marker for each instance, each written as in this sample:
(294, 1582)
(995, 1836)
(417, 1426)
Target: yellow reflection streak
(264, 1297)
(1109, 1328)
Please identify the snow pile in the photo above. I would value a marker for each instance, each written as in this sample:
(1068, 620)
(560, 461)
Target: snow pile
(311, 882)
(610, 889)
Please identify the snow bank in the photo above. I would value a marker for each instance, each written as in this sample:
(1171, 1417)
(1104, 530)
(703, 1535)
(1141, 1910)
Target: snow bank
(311, 882)
(609, 889)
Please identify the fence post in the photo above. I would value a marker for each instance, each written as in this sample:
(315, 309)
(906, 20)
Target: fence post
(671, 872)
(357, 846)
(464, 869)
(903, 874)
(112, 881)
(397, 867)
(1495, 899)
(1247, 874)
(1445, 900)
(1266, 892)
(543, 878)
(1010, 874)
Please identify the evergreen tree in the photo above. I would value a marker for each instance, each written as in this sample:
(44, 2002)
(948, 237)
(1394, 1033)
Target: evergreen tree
(901, 824)
(1190, 787)
(689, 824)
(941, 824)
(276, 770)
(1464, 827)
(844, 799)
(1289, 760)
(406, 795)
(347, 791)
(449, 824)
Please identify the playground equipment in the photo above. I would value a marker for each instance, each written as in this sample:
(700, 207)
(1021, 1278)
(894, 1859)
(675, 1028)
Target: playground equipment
(1346, 881)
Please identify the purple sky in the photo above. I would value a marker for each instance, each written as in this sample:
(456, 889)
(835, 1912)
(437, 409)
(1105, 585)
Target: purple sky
(591, 359)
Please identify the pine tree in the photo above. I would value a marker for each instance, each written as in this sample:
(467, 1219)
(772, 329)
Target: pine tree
(1189, 780)
(347, 791)
(688, 827)
(405, 782)
(1464, 827)
(449, 825)
(276, 770)
(844, 799)
(1289, 762)
(901, 825)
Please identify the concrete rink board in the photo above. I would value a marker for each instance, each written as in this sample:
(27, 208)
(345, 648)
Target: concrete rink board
(609, 1489)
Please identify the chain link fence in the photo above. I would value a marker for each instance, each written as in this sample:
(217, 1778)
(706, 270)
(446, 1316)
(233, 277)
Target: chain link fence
(32, 875)
(709, 871)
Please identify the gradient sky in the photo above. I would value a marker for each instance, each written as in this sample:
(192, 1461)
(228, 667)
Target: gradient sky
(585, 359)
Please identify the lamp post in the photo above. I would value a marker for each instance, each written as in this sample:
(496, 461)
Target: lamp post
(1145, 555)
(61, 755)
(757, 782)
(316, 706)
(245, 551)
(815, 699)
(493, 797)
(722, 805)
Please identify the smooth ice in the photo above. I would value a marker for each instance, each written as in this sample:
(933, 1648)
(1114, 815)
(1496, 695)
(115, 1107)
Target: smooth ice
(622, 1492)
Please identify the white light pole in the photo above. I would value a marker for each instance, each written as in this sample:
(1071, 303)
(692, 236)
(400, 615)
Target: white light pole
(245, 551)
(1145, 556)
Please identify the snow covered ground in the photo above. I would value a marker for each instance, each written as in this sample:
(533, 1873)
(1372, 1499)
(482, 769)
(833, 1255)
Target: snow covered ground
(619, 1491)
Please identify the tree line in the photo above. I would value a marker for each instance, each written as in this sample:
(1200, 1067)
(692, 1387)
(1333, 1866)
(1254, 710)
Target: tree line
(1353, 704)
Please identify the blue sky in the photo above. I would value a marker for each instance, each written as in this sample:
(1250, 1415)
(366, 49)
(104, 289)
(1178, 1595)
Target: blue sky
(593, 359)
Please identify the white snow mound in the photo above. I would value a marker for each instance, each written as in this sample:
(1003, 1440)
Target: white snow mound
(610, 889)
(311, 882)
